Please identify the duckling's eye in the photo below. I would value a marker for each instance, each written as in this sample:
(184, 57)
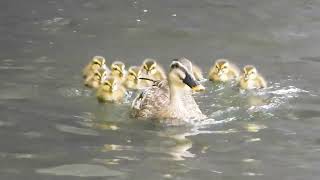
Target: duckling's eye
(217, 66)
(95, 62)
(252, 72)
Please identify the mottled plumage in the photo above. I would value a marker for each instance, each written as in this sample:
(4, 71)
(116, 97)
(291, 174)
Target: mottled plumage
(170, 99)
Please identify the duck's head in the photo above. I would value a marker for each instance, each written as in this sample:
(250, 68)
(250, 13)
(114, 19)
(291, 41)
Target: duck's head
(117, 69)
(222, 67)
(149, 66)
(110, 85)
(94, 79)
(98, 62)
(181, 75)
(134, 73)
(249, 72)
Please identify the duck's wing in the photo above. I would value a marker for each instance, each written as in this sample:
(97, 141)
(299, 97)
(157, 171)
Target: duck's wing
(151, 101)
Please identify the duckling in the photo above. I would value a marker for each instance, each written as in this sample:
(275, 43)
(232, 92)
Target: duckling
(251, 79)
(197, 72)
(132, 79)
(152, 69)
(96, 63)
(111, 90)
(223, 71)
(118, 70)
(170, 99)
(94, 79)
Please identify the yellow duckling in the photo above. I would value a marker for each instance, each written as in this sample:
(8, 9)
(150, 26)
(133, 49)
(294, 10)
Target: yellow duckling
(251, 79)
(223, 71)
(94, 79)
(151, 69)
(111, 90)
(118, 70)
(132, 79)
(96, 63)
(197, 72)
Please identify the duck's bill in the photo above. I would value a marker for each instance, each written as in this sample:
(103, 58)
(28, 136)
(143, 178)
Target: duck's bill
(193, 83)
(198, 88)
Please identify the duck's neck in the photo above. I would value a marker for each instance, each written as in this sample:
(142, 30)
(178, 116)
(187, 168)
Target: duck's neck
(176, 96)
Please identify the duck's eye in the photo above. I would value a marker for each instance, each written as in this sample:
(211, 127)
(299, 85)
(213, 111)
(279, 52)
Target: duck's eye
(131, 74)
(217, 66)
(175, 65)
(252, 72)
(114, 68)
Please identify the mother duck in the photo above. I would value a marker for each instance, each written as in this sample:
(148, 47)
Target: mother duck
(170, 99)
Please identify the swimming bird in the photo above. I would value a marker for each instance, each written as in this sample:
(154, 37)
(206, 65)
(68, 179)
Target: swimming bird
(251, 79)
(172, 98)
(94, 79)
(223, 71)
(111, 90)
(197, 72)
(96, 63)
(151, 69)
(118, 70)
(132, 80)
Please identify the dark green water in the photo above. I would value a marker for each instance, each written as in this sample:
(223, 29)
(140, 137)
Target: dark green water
(51, 127)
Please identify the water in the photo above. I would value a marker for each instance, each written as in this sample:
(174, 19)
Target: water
(53, 128)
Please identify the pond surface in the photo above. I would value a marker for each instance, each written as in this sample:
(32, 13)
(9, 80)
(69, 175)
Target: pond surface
(51, 127)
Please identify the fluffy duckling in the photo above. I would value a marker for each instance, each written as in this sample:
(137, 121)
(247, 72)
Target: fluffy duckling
(96, 63)
(94, 79)
(223, 71)
(197, 72)
(251, 79)
(111, 90)
(118, 70)
(152, 70)
(132, 79)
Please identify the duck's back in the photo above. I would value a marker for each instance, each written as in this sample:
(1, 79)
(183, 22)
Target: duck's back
(151, 101)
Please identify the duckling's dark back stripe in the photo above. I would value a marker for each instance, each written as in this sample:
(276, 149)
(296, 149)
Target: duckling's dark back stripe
(149, 63)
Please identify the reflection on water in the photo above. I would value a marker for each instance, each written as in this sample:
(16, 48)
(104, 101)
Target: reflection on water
(53, 128)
